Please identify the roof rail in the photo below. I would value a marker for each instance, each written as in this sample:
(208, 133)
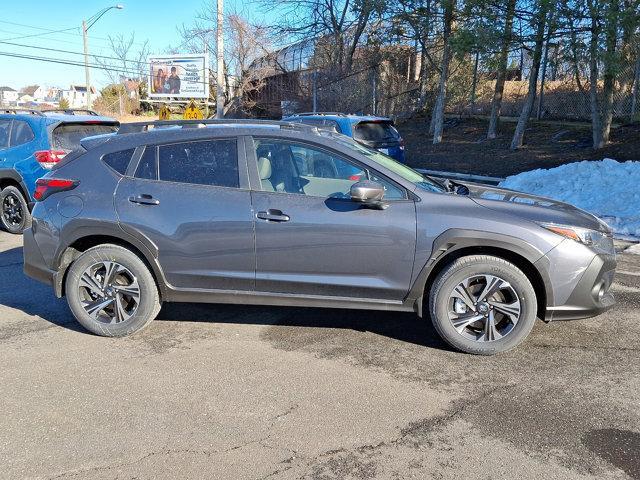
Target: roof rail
(138, 127)
(18, 111)
(71, 111)
(304, 114)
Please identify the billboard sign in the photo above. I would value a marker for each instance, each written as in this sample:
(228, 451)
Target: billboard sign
(179, 76)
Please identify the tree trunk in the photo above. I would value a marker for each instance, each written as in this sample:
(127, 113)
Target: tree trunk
(437, 120)
(610, 71)
(518, 135)
(496, 103)
(596, 124)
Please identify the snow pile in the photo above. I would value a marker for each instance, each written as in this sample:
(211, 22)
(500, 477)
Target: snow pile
(608, 189)
(635, 249)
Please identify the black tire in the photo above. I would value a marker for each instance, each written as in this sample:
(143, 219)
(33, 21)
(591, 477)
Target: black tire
(473, 267)
(14, 211)
(148, 302)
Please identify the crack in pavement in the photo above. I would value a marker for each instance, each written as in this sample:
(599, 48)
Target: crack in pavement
(208, 453)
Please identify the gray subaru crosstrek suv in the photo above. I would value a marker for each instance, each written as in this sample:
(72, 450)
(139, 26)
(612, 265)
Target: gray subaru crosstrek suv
(275, 213)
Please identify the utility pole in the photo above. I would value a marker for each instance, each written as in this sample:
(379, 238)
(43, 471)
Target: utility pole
(86, 25)
(86, 63)
(206, 75)
(220, 62)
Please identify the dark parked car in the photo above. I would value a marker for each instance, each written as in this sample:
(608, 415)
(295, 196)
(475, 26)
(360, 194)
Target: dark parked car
(31, 142)
(245, 212)
(379, 133)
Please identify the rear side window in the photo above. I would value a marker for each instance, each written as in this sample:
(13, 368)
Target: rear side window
(67, 136)
(211, 162)
(5, 131)
(119, 161)
(21, 133)
(375, 132)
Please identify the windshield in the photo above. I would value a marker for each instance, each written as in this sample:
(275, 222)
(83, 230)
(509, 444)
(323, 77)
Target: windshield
(398, 168)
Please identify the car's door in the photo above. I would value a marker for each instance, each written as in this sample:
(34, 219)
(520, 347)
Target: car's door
(311, 239)
(192, 201)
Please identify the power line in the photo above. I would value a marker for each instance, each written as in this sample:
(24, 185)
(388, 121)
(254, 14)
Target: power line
(75, 63)
(64, 31)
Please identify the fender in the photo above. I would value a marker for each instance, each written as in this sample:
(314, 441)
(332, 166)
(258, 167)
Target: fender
(456, 239)
(90, 228)
(13, 174)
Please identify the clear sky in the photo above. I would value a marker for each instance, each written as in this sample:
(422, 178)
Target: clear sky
(155, 20)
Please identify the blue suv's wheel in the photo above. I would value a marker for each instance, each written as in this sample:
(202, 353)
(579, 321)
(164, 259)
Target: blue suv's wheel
(14, 211)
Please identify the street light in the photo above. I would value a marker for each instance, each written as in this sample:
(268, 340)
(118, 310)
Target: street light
(86, 25)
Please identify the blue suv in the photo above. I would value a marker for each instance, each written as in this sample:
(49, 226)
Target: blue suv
(378, 133)
(31, 143)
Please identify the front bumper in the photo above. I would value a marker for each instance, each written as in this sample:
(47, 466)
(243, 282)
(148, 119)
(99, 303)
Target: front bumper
(590, 296)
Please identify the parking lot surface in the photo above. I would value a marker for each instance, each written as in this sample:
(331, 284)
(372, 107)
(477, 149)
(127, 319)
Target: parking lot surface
(219, 391)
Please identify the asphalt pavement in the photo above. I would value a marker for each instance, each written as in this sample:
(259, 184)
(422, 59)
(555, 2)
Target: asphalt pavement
(235, 392)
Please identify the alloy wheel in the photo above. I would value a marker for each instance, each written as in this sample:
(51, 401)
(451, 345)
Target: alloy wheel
(12, 210)
(109, 292)
(484, 308)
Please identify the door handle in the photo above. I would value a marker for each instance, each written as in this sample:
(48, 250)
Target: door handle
(144, 199)
(273, 215)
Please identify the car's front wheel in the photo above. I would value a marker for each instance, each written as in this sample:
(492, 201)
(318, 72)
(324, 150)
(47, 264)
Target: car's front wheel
(111, 291)
(14, 211)
(482, 304)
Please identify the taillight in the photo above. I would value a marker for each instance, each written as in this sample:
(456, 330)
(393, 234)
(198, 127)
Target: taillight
(48, 158)
(49, 186)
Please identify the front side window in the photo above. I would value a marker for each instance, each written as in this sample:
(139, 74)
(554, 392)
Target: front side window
(209, 162)
(298, 168)
(21, 133)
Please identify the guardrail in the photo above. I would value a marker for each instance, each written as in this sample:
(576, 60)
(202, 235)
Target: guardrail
(462, 176)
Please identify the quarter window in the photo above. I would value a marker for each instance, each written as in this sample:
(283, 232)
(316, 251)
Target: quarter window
(211, 162)
(21, 133)
(119, 161)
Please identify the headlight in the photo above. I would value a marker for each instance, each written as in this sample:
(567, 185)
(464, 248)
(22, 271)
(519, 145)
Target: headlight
(592, 238)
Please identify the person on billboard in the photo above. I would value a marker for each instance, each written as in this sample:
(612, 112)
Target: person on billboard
(158, 81)
(174, 81)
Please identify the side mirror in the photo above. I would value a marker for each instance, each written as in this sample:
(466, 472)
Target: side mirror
(368, 193)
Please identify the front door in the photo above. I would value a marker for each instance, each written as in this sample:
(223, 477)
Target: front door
(185, 198)
(311, 239)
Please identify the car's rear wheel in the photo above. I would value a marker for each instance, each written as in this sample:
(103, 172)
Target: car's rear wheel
(111, 291)
(482, 304)
(14, 211)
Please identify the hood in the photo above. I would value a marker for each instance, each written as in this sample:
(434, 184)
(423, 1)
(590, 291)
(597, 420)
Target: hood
(533, 208)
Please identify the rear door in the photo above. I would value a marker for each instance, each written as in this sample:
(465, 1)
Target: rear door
(192, 202)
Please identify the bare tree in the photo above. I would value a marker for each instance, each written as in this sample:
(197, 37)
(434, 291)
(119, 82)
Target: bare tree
(129, 58)
(541, 21)
(244, 43)
(437, 118)
(343, 20)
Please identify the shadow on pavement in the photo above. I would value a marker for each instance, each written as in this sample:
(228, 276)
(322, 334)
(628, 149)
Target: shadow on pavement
(406, 327)
(36, 299)
(22, 293)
